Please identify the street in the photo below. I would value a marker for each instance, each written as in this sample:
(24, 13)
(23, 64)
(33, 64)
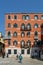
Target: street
(25, 61)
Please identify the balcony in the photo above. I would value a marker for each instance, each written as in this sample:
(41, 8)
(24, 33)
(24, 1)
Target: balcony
(35, 37)
(22, 46)
(27, 46)
(25, 29)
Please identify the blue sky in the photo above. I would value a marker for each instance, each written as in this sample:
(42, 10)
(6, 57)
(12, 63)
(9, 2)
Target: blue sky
(8, 6)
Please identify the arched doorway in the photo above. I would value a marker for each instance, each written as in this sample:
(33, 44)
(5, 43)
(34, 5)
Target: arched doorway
(2, 48)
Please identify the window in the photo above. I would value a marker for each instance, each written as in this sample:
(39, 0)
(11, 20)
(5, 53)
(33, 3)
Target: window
(28, 51)
(15, 34)
(28, 43)
(22, 42)
(36, 17)
(36, 26)
(24, 17)
(22, 51)
(9, 51)
(42, 17)
(15, 51)
(15, 42)
(15, 17)
(28, 33)
(9, 34)
(15, 25)
(22, 34)
(36, 33)
(9, 42)
(9, 25)
(28, 26)
(35, 42)
(9, 17)
(23, 26)
(27, 17)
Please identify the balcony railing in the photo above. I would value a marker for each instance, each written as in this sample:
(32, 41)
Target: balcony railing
(35, 37)
(25, 29)
(25, 46)
(22, 46)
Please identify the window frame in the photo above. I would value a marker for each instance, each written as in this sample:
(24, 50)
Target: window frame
(35, 25)
(9, 50)
(15, 50)
(14, 34)
(24, 17)
(15, 25)
(22, 34)
(15, 41)
(28, 17)
(15, 17)
(9, 33)
(9, 25)
(41, 17)
(36, 17)
(9, 17)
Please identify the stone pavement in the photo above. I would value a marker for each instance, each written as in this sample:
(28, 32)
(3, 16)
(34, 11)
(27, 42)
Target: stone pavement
(25, 61)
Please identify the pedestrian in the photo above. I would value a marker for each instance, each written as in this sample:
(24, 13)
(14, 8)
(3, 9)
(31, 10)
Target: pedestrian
(20, 58)
(17, 56)
(7, 55)
(3, 54)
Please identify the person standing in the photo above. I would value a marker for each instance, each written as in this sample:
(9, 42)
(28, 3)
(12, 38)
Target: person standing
(20, 58)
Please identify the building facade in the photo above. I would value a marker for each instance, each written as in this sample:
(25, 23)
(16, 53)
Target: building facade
(22, 31)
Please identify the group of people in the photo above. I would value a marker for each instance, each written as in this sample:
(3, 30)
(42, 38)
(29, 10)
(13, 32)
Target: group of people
(19, 58)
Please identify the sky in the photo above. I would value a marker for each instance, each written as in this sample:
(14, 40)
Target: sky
(16, 6)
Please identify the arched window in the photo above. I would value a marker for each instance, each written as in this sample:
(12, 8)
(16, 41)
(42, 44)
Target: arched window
(42, 17)
(9, 34)
(28, 43)
(36, 17)
(23, 26)
(24, 17)
(36, 25)
(22, 34)
(9, 25)
(35, 33)
(15, 34)
(15, 42)
(15, 17)
(35, 42)
(15, 25)
(9, 17)
(9, 42)
(27, 17)
(22, 43)
(28, 26)
(28, 33)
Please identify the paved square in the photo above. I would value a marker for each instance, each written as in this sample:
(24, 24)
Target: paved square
(25, 61)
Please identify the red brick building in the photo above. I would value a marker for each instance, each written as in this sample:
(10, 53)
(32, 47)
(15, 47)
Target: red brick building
(22, 30)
